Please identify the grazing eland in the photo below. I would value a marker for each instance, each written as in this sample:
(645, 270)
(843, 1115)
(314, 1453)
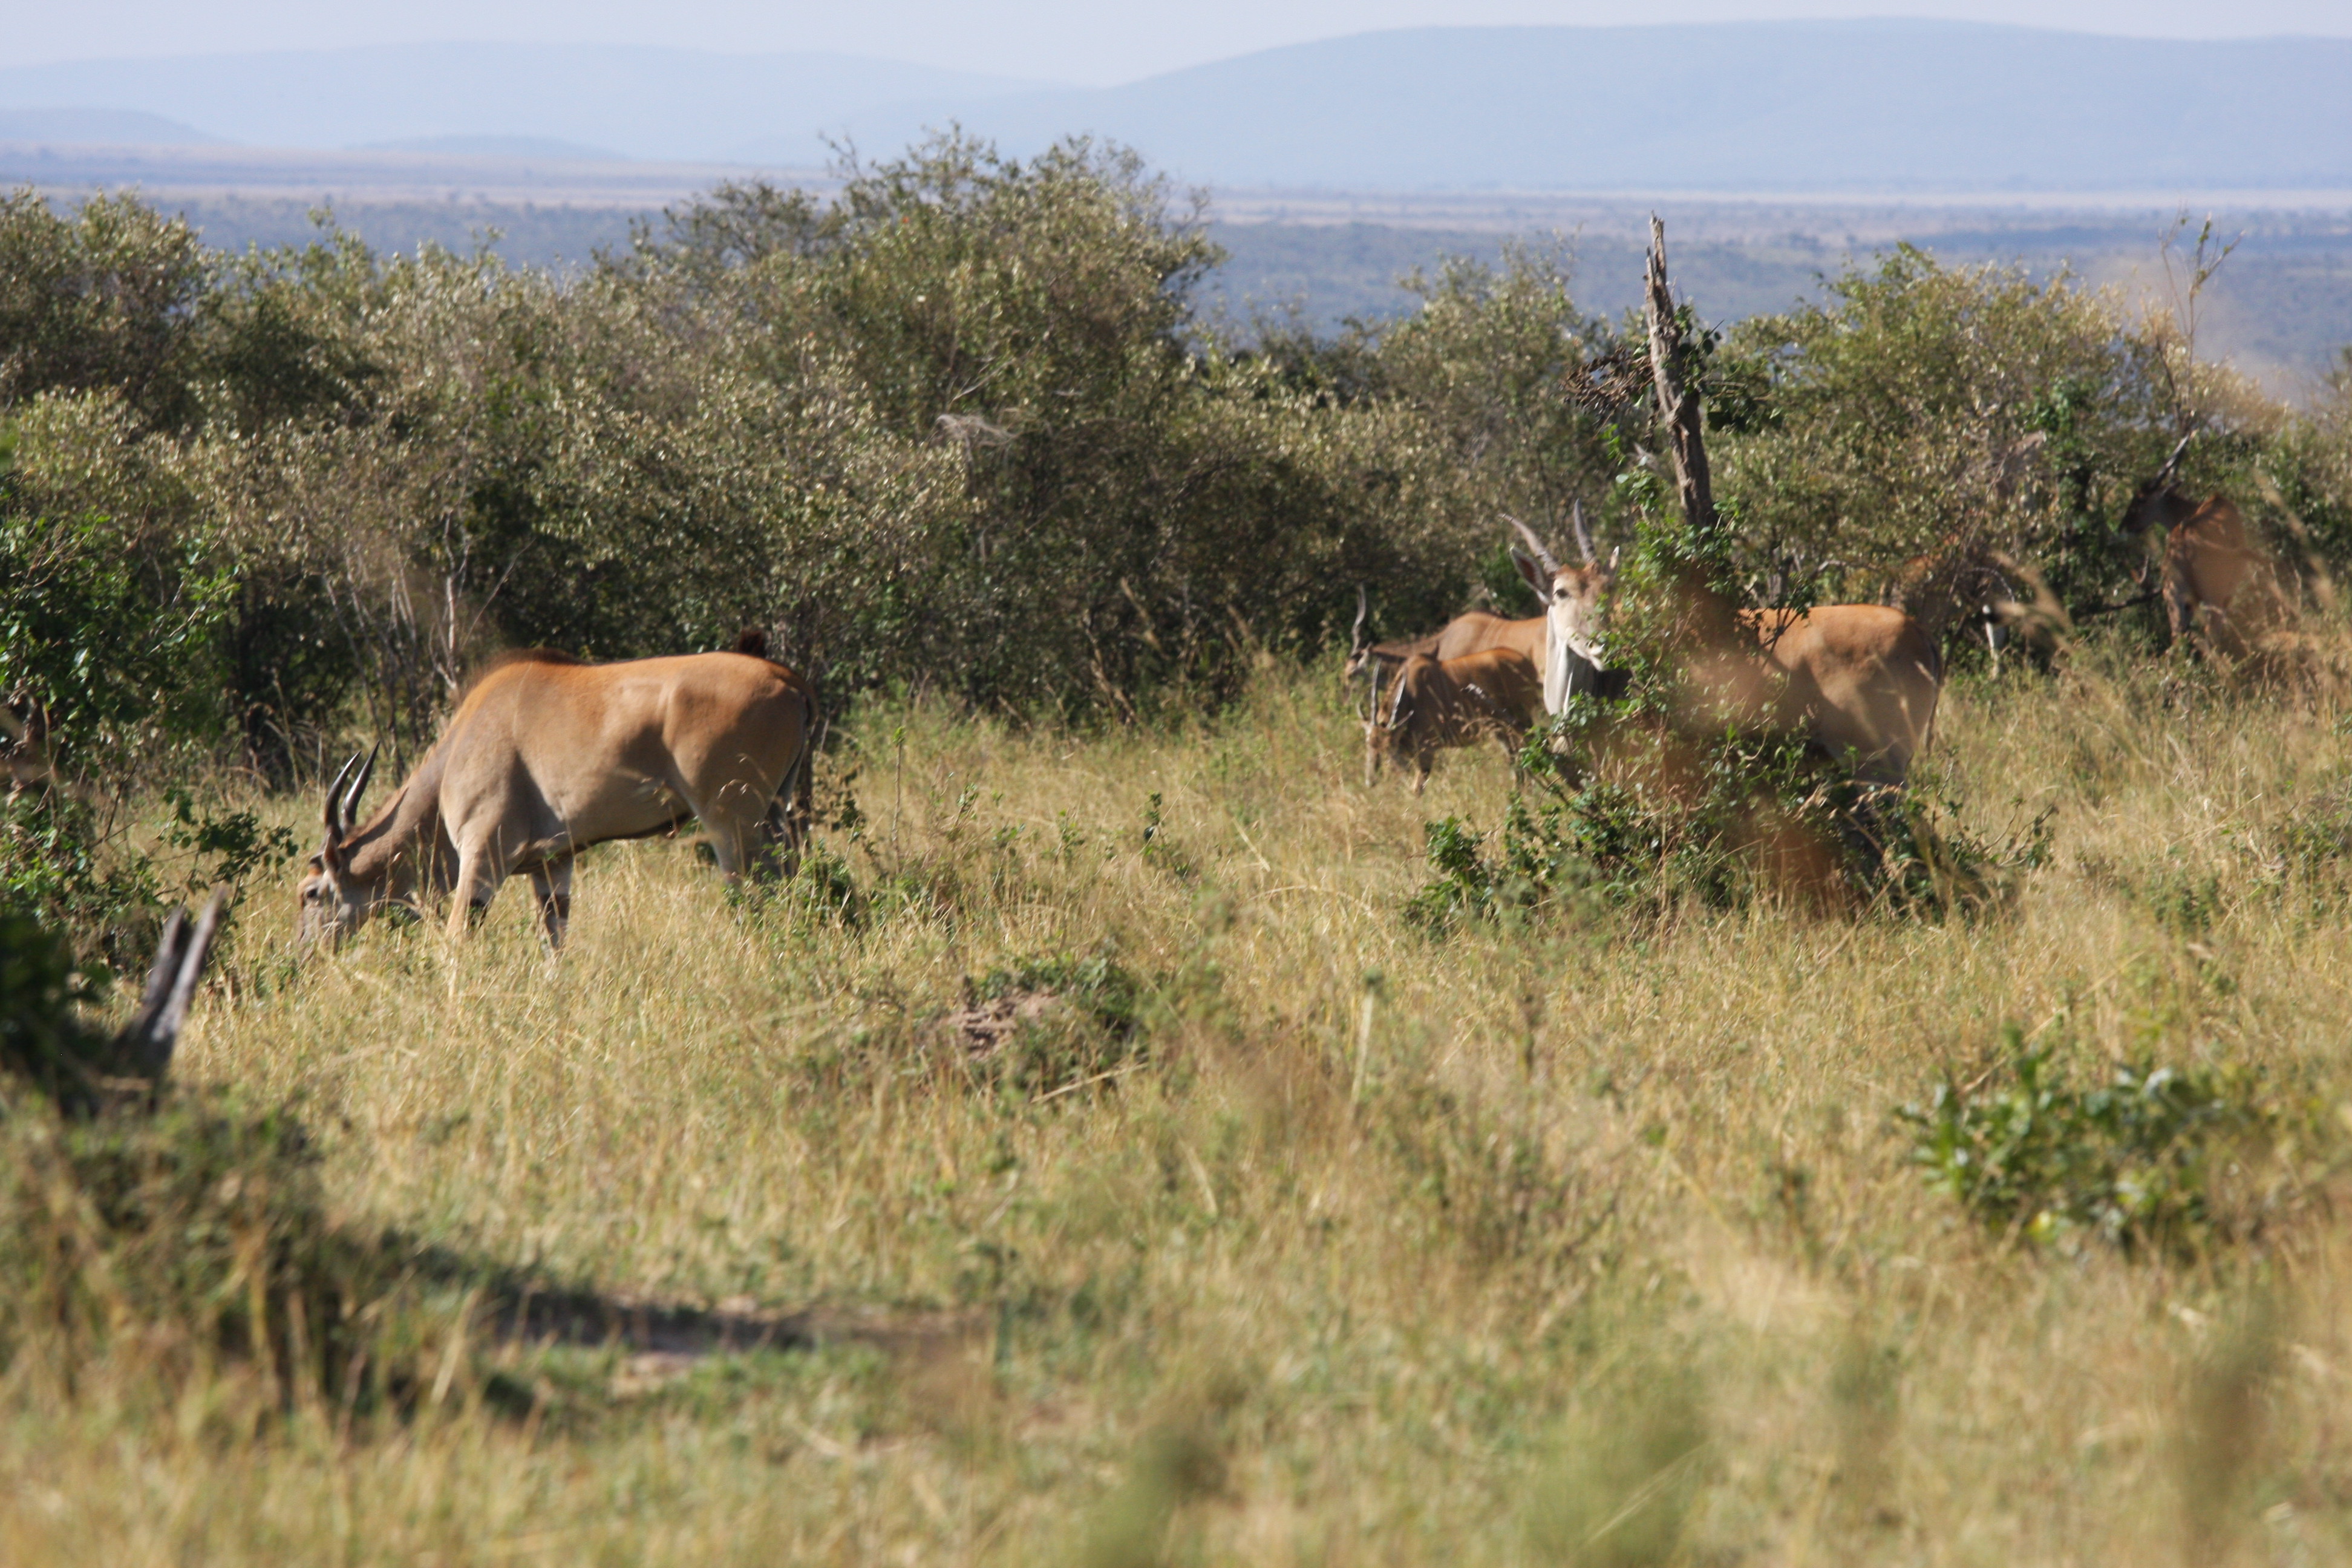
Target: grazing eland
(1491, 694)
(1474, 631)
(547, 755)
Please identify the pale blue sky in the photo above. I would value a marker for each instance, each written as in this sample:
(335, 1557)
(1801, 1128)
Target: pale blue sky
(1086, 41)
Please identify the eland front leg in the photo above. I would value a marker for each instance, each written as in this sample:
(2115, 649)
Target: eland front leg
(481, 867)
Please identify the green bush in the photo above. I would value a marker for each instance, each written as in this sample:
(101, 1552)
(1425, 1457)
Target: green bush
(957, 428)
(1924, 418)
(115, 633)
(951, 429)
(102, 299)
(47, 1042)
(1719, 820)
(59, 863)
(1486, 364)
(2131, 1156)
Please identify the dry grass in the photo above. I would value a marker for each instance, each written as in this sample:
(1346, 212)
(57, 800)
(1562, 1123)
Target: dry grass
(1593, 1244)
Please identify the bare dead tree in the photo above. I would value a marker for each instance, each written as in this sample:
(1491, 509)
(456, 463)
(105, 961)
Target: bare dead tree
(1679, 410)
(1706, 616)
(143, 1048)
(85, 1073)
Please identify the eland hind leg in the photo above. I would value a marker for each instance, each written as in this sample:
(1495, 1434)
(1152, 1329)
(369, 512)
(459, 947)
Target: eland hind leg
(783, 834)
(734, 823)
(551, 885)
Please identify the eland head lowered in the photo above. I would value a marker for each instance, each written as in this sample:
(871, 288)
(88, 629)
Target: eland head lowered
(546, 756)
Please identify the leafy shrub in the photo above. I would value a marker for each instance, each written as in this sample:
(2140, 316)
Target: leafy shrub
(228, 850)
(102, 299)
(65, 857)
(1716, 821)
(2055, 1154)
(1483, 365)
(1917, 856)
(950, 427)
(61, 862)
(957, 427)
(45, 1039)
(113, 632)
(111, 640)
(1923, 417)
(1537, 866)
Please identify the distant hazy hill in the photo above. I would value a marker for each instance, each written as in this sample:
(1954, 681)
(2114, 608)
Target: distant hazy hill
(644, 102)
(1785, 105)
(1789, 106)
(99, 127)
(495, 147)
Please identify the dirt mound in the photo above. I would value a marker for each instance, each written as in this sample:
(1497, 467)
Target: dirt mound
(982, 1027)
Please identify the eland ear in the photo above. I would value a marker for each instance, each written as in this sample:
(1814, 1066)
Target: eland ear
(1533, 574)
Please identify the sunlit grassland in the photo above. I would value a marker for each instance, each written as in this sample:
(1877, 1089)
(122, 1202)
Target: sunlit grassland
(1595, 1241)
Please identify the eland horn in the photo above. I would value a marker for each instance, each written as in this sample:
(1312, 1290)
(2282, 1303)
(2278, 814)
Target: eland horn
(359, 787)
(1542, 553)
(2172, 464)
(1583, 540)
(335, 797)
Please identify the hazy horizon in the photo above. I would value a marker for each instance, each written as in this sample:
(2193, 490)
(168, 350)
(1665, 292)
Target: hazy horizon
(1049, 41)
(1889, 104)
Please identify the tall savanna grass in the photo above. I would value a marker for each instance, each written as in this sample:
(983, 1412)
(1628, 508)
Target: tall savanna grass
(1600, 1239)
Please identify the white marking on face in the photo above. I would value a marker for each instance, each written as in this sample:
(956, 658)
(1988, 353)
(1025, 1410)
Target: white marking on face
(1572, 639)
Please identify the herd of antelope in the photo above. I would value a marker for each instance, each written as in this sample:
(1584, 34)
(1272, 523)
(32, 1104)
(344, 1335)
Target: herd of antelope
(1858, 680)
(546, 756)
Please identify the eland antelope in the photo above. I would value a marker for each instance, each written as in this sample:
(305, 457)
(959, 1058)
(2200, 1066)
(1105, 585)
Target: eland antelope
(2223, 592)
(1492, 694)
(547, 755)
(1473, 631)
(1854, 678)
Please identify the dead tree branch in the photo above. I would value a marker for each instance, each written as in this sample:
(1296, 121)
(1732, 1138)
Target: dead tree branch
(1678, 406)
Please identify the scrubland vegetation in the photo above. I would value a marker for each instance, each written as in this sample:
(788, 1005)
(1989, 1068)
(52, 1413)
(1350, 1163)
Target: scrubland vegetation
(1128, 1139)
